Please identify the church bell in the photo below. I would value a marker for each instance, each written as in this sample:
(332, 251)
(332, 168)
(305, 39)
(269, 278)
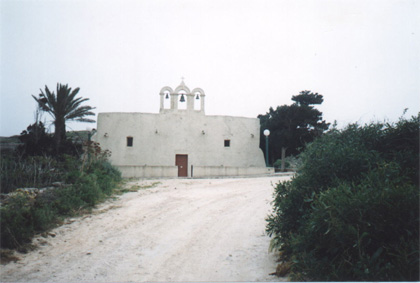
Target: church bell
(182, 98)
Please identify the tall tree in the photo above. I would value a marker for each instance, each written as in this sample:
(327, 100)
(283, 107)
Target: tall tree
(292, 126)
(64, 106)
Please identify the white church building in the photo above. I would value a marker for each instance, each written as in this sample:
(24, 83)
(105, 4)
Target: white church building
(181, 141)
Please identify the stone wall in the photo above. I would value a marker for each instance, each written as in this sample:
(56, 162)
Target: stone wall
(194, 171)
(148, 171)
(214, 171)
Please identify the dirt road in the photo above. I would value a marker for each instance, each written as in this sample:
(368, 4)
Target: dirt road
(180, 230)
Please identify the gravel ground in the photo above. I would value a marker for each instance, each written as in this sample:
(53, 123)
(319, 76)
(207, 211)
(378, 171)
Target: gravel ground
(179, 230)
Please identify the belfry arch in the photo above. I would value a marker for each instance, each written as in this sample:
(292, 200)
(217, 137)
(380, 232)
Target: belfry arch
(199, 99)
(165, 96)
(180, 95)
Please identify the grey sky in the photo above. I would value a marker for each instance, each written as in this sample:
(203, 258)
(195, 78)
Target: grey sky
(363, 56)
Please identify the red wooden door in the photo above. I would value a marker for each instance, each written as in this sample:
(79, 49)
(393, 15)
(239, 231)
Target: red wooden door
(181, 160)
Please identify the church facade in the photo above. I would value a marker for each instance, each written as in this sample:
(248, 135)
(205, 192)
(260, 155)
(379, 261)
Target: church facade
(181, 141)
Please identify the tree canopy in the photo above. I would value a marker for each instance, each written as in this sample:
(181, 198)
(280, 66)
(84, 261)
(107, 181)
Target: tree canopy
(64, 106)
(292, 126)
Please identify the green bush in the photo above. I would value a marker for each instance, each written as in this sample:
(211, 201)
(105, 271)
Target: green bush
(352, 212)
(25, 213)
(44, 212)
(107, 175)
(87, 189)
(68, 201)
(16, 220)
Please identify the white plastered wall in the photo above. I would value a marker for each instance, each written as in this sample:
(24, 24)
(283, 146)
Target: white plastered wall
(158, 138)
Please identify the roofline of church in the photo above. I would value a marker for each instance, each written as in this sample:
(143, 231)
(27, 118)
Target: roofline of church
(178, 112)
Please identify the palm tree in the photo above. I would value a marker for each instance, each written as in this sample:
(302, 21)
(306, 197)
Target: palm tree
(63, 107)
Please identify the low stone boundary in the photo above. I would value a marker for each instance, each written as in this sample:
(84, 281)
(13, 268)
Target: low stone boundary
(32, 192)
(147, 171)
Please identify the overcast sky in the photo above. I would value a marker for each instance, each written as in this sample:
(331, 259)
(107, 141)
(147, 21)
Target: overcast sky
(248, 56)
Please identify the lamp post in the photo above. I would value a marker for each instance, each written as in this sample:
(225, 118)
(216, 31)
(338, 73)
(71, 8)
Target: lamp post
(266, 134)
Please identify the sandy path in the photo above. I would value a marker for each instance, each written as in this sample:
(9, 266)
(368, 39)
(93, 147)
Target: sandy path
(181, 230)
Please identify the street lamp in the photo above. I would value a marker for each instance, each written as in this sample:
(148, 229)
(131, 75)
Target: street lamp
(266, 134)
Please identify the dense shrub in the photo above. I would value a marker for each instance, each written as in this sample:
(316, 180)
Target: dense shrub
(25, 213)
(352, 212)
(16, 220)
(107, 175)
(68, 202)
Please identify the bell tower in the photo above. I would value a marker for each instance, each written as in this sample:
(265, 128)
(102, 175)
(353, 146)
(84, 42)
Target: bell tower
(181, 99)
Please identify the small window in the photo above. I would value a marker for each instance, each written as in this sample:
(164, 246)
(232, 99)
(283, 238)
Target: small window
(227, 143)
(129, 141)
